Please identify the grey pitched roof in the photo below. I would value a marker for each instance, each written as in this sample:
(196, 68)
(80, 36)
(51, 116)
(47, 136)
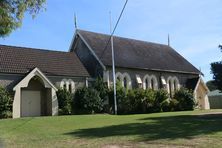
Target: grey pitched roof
(21, 60)
(131, 53)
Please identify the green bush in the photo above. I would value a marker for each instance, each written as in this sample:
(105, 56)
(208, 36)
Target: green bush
(64, 100)
(141, 101)
(102, 89)
(87, 100)
(160, 97)
(148, 100)
(123, 103)
(136, 101)
(185, 100)
(5, 103)
(173, 106)
(165, 105)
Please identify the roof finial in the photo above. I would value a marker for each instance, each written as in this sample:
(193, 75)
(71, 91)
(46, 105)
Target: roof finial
(168, 39)
(75, 19)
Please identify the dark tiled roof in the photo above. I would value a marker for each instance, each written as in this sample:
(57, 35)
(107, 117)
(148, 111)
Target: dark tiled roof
(56, 63)
(192, 83)
(131, 53)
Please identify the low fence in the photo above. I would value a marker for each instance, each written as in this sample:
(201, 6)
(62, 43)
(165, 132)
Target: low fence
(215, 102)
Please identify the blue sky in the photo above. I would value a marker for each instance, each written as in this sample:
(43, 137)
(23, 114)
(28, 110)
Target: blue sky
(195, 26)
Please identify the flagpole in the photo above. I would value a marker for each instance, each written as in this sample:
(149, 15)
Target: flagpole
(75, 21)
(113, 68)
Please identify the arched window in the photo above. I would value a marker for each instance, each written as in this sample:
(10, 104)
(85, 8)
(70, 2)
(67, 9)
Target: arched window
(176, 83)
(153, 82)
(124, 79)
(146, 83)
(125, 82)
(69, 85)
(119, 78)
(171, 88)
(64, 86)
(150, 82)
(173, 85)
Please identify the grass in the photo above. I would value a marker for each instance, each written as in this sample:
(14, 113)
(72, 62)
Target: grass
(174, 129)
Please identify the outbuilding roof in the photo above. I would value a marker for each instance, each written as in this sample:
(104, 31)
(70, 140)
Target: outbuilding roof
(21, 60)
(215, 93)
(131, 53)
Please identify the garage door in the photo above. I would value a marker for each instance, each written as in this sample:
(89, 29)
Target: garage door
(31, 103)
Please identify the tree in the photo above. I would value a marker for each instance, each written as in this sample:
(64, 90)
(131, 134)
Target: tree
(216, 69)
(211, 85)
(65, 101)
(185, 99)
(5, 103)
(102, 88)
(12, 13)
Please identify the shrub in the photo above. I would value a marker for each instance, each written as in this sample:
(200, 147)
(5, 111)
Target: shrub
(185, 100)
(64, 99)
(165, 105)
(5, 104)
(87, 100)
(169, 105)
(141, 101)
(160, 96)
(123, 103)
(148, 101)
(102, 89)
(134, 97)
(173, 105)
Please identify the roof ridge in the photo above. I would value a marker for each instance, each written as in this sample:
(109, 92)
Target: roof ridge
(115, 36)
(31, 48)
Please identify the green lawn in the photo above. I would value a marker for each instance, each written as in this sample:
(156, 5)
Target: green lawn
(175, 129)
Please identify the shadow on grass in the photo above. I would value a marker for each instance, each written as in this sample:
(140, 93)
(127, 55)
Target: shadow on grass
(157, 128)
(1, 143)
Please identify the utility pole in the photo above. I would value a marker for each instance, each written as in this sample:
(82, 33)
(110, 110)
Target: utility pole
(113, 67)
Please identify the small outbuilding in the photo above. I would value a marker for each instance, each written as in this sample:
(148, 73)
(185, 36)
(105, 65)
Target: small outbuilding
(34, 76)
(215, 99)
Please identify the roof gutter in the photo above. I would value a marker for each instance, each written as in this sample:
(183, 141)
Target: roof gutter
(161, 70)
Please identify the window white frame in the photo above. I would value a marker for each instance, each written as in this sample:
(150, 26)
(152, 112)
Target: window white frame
(171, 87)
(68, 82)
(128, 80)
(150, 79)
(121, 77)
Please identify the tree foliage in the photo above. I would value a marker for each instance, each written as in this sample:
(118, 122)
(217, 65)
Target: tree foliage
(216, 69)
(12, 13)
(102, 88)
(211, 85)
(87, 101)
(64, 100)
(5, 103)
(185, 100)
